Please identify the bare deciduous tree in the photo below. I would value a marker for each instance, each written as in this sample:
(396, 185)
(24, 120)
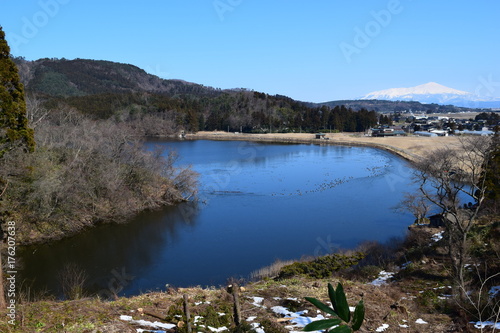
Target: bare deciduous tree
(35, 112)
(416, 204)
(445, 177)
(73, 280)
(485, 305)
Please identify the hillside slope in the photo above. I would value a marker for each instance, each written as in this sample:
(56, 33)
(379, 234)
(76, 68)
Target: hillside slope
(81, 77)
(103, 89)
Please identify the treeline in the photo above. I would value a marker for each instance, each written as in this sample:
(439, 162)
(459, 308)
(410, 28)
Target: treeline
(397, 106)
(159, 114)
(257, 112)
(490, 118)
(153, 106)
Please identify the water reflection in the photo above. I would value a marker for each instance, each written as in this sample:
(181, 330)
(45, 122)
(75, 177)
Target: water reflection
(107, 249)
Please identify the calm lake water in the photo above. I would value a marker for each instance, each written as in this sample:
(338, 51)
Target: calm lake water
(257, 203)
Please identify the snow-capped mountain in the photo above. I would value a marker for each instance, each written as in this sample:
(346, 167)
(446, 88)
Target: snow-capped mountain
(434, 93)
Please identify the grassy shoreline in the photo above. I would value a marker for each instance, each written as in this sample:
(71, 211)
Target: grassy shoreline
(410, 148)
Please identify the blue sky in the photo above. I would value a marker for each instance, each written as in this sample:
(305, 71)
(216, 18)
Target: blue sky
(309, 50)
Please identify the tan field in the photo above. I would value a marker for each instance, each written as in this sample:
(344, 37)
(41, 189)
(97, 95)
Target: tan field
(463, 115)
(408, 147)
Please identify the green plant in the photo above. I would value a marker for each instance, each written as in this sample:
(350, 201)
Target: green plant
(340, 311)
(429, 300)
(321, 267)
(369, 272)
(39, 325)
(244, 327)
(214, 319)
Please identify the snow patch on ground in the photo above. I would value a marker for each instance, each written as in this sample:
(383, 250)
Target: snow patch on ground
(146, 323)
(297, 319)
(257, 328)
(485, 324)
(382, 328)
(437, 237)
(382, 279)
(220, 329)
(257, 301)
(420, 321)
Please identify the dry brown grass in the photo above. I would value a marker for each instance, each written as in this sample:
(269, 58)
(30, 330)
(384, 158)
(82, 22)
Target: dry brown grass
(271, 270)
(409, 147)
(393, 304)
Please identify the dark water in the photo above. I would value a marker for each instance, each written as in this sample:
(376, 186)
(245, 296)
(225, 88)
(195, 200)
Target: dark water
(258, 203)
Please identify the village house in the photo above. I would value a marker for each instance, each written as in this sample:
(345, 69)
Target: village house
(388, 131)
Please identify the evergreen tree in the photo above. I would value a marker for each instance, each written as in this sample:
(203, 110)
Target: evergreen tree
(492, 177)
(14, 130)
(201, 122)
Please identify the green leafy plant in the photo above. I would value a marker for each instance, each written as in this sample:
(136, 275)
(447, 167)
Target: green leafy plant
(321, 267)
(340, 310)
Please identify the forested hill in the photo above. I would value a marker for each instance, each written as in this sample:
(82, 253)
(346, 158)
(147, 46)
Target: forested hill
(396, 106)
(81, 77)
(154, 106)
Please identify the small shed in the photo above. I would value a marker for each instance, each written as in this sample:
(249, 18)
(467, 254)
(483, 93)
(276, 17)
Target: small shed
(320, 135)
(387, 131)
(436, 221)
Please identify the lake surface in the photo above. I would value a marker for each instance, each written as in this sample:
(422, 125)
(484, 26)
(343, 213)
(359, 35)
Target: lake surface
(257, 203)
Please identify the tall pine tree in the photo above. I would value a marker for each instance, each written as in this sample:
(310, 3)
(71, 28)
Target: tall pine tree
(14, 130)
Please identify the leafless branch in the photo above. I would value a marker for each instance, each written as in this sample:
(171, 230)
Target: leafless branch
(4, 189)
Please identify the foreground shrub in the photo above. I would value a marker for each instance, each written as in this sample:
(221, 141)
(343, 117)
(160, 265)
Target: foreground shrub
(321, 267)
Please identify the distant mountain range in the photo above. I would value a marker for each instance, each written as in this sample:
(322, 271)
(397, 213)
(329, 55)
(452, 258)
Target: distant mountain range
(102, 88)
(434, 93)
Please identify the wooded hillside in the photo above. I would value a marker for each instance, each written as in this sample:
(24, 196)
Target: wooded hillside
(154, 106)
